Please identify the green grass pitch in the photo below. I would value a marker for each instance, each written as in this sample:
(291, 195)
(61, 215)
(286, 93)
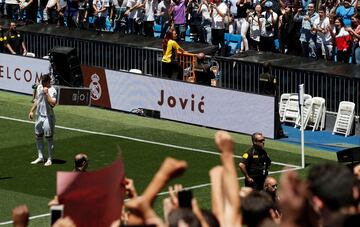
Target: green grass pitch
(35, 185)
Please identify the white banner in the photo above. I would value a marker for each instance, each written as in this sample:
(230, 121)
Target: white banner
(18, 73)
(190, 103)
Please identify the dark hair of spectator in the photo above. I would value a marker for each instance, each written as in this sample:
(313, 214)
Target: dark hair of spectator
(45, 78)
(322, 9)
(267, 67)
(185, 215)
(256, 208)
(210, 218)
(168, 36)
(341, 21)
(333, 184)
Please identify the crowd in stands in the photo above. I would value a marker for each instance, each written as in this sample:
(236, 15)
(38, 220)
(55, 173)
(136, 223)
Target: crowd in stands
(327, 29)
(328, 196)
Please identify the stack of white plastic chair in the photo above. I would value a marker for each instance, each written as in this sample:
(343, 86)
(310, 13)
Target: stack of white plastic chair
(292, 112)
(308, 103)
(282, 104)
(317, 114)
(345, 118)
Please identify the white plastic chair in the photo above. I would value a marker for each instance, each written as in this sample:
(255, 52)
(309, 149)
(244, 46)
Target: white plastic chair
(292, 112)
(282, 104)
(137, 71)
(307, 112)
(345, 118)
(46, 57)
(317, 114)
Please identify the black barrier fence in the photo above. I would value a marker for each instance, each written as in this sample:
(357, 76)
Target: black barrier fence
(236, 74)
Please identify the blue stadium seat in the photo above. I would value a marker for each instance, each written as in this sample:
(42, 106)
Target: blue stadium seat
(157, 30)
(234, 43)
(187, 35)
(227, 38)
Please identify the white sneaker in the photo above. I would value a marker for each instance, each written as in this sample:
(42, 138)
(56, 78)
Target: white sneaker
(37, 161)
(48, 163)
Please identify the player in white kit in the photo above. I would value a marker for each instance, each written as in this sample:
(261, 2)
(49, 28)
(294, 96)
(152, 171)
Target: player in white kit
(44, 103)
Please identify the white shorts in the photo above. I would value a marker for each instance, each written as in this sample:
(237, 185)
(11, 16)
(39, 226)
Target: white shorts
(45, 126)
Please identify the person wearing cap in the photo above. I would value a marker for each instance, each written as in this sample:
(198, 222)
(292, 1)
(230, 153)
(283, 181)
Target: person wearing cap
(346, 11)
(268, 24)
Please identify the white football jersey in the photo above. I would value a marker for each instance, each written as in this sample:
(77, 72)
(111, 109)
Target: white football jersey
(43, 106)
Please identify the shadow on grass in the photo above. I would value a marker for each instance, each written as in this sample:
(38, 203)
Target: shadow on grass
(5, 178)
(58, 161)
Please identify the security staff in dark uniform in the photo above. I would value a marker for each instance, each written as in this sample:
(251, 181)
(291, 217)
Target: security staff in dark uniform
(2, 41)
(255, 163)
(203, 73)
(14, 42)
(268, 86)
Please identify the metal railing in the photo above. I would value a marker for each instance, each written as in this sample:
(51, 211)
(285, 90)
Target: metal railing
(236, 74)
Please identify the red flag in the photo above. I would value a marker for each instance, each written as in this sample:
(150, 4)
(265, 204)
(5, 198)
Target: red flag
(92, 198)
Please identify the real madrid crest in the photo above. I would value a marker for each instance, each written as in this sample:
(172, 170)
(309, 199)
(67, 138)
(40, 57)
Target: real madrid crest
(95, 87)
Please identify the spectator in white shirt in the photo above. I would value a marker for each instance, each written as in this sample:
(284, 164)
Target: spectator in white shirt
(324, 42)
(218, 12)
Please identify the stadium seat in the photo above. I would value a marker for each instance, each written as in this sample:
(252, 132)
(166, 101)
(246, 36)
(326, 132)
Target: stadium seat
(227, 38)
(234, 43)
(345, 118)
(157, 30)
(187, 35)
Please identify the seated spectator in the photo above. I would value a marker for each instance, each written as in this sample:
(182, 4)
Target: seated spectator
(169, 64)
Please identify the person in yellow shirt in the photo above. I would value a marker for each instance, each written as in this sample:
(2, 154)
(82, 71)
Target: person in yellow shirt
(169, 64)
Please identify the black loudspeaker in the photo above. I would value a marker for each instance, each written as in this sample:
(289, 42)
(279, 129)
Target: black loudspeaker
(349, 156)
(66, 66)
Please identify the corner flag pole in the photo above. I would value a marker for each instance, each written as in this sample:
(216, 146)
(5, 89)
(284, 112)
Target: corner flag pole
(301, 102)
